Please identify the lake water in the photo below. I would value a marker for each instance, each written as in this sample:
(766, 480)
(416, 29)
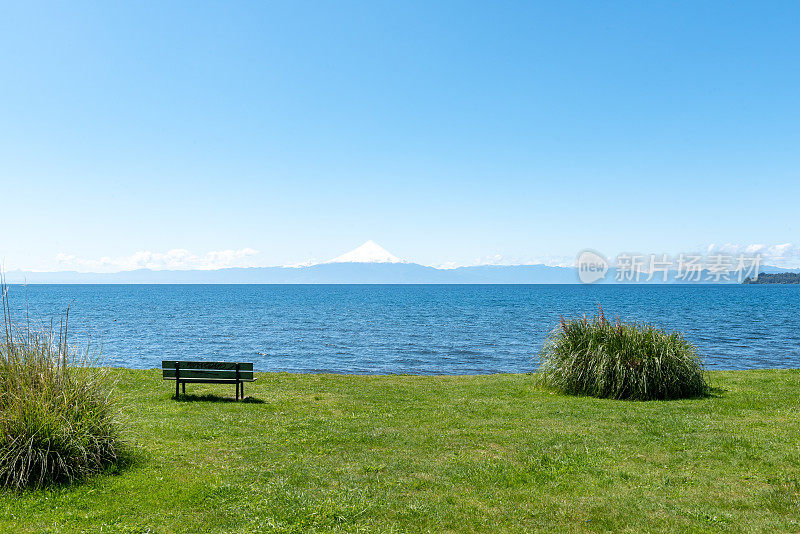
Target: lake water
(405, 329)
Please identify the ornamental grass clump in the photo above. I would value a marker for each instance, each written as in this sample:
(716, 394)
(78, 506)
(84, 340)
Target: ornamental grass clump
(57, 414)
(618, 360)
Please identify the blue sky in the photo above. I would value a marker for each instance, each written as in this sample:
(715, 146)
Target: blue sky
(447, 132)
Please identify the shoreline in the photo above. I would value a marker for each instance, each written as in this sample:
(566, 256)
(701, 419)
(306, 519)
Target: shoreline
(434, 375)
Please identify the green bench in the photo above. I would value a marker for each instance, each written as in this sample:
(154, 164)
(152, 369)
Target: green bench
(183, 372)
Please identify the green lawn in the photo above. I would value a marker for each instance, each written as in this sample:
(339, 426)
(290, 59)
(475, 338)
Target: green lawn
(438, 454)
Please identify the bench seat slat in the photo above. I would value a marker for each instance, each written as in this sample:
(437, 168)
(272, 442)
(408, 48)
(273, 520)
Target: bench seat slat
(198, 373)
(218, 366)
(211, 380)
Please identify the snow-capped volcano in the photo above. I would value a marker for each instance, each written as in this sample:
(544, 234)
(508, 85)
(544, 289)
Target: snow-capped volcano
(369, 252)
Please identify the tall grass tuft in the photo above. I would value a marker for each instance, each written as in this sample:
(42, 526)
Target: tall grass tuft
(57, 413)
(618, 360)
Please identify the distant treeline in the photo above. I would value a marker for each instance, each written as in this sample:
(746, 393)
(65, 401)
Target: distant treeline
(777, 278)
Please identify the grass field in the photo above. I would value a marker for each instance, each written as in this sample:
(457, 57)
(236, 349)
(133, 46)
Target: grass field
(417, 454)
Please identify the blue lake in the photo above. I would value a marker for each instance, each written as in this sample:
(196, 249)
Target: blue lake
(421, 329)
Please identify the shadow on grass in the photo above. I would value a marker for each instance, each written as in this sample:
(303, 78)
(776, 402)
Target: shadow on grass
(711, 393)
(127, 458)
(716, 392)
(211, 397)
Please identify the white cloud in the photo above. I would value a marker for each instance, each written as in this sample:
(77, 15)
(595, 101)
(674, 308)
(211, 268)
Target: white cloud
(297, 265)
(175, 259)
(783, 255)
(499, 259)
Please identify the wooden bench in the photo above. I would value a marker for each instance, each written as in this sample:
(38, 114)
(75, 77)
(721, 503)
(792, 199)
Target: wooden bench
(183, 372)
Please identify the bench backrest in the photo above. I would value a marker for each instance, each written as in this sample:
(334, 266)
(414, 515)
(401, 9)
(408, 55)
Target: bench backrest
(215, 370)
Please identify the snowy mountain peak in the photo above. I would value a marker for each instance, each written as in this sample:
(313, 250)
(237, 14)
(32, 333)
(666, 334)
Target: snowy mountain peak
(369, 252)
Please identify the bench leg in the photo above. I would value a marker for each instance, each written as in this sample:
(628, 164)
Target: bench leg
(177, 385)
(242, 386)
(237, 391)
(183, 388)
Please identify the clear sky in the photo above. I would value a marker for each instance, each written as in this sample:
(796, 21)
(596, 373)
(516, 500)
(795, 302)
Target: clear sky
(459, 132)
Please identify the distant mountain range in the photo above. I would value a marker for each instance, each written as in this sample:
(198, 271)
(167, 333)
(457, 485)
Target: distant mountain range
(325, 273)
(368, 264)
